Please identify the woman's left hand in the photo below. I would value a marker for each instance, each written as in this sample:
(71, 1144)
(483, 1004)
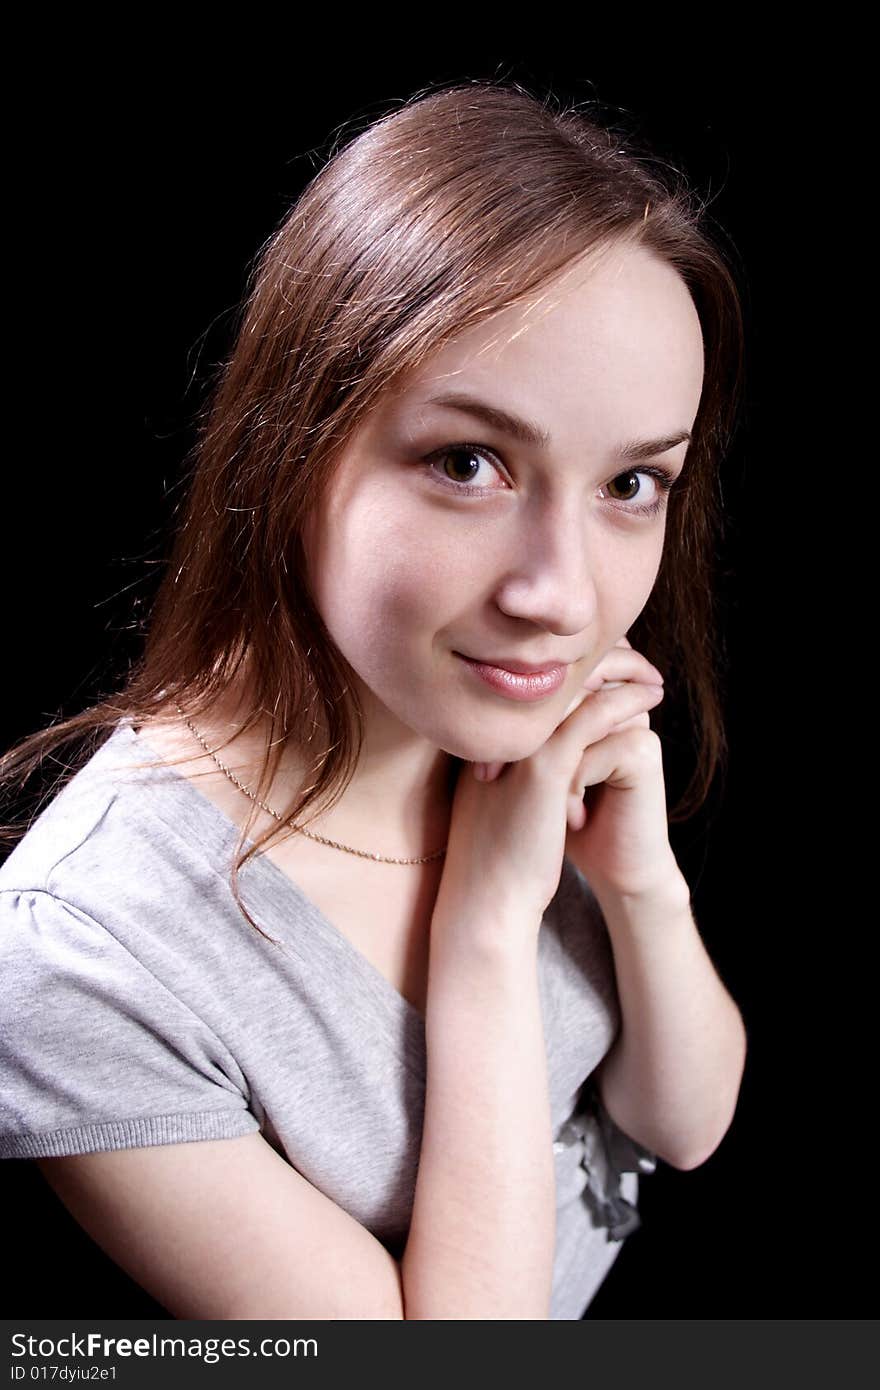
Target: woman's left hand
(620, 842)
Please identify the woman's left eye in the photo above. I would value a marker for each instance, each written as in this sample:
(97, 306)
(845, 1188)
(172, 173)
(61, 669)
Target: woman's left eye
(663, 478)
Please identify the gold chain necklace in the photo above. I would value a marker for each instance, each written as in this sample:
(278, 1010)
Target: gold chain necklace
(381, 858)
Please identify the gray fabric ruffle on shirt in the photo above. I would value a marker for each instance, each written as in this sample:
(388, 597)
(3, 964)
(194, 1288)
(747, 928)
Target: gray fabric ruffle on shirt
(608, 1153)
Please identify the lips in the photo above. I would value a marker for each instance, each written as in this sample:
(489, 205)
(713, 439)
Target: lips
(527, 683)
(519, 668)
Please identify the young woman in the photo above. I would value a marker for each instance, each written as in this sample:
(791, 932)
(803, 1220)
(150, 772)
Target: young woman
(351, 973)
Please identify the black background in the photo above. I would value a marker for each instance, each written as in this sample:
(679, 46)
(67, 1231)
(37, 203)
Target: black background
(147, 195)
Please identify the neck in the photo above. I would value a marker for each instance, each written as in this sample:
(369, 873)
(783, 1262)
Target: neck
(397, 804)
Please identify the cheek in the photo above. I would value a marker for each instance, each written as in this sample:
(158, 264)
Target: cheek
(634, 596)
(623, 579)
(377, 590)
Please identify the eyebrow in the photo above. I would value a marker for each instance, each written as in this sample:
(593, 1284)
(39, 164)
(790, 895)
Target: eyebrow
(526, 432)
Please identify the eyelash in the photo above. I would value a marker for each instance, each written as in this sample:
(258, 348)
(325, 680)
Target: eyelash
(663, 477)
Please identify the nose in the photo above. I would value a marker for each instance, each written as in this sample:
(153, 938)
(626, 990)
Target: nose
(550, 581)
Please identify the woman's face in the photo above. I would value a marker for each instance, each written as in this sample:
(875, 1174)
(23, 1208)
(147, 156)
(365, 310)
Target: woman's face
(541, 554)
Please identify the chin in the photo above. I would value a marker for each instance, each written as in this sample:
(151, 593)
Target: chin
(485, 739)
(492, 749)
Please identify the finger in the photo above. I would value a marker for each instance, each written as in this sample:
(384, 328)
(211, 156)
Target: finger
(490, 772)
(638, 721)
(576, 811)
(591, 688)
(620, 700)
(609, 761)
(624, 664)
(573, 704)
(601, 711)
(603, 691)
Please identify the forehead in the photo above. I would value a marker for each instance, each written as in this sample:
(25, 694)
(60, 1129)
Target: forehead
(614, 333)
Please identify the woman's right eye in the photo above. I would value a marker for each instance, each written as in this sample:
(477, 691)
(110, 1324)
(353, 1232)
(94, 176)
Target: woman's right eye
(463, 453)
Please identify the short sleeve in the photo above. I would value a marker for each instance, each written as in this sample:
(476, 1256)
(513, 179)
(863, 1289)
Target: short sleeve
(95, 1051)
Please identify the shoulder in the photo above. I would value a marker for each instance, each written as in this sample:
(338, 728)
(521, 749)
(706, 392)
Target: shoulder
(69, 819)
(124, 849)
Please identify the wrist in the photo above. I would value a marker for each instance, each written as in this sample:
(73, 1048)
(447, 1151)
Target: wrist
(485, 928)
(664, 894)
(472, 967)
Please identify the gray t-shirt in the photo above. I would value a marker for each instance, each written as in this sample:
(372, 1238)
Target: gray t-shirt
(139, 1007)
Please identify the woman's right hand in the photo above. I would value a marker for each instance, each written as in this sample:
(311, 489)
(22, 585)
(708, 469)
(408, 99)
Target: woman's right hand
(507, 837)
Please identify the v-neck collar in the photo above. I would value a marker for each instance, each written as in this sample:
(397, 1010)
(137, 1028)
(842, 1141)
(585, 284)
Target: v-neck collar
(269, 880)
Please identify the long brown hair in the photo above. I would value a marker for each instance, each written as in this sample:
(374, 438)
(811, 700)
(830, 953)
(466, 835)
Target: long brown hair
(459, 202)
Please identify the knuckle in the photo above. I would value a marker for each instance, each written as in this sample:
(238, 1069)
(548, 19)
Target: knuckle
(629, 694)
(646, 746)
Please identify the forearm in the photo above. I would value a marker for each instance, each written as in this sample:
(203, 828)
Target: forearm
(672, 1078)
(483, 1231)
